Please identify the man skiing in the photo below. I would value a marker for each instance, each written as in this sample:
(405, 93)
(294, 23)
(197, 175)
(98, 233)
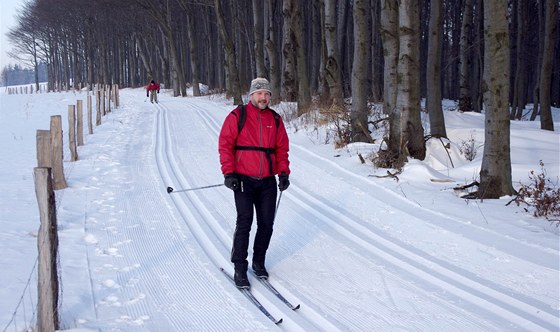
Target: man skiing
(152, 90)
(252, 152)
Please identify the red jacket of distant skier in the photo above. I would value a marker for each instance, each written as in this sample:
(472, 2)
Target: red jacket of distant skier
(153, 86)
(259, 130)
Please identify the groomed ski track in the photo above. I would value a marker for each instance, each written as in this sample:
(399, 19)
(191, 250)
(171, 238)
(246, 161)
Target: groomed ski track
(184, 238)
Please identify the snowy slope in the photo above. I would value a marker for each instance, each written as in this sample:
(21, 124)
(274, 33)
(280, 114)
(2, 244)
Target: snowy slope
(357, 252)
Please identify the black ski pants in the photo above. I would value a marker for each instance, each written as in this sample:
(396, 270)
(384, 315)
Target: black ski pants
(257, 195)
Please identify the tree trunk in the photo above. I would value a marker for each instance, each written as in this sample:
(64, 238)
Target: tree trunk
(289, 72)
(551, 18)
(518, 100)
(258, 28)
(192, 49)
(360, 86)
(536, 92)
(495, 172)
(433, 71)
(477, 58)
(408, 91)
(303, 92)
(271, 45)
(332, 68)
(230, 61)
(465, 102)
(390, 37)
(376, 54)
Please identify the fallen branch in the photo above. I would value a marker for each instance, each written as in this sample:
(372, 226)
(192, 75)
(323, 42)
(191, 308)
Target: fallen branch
(446, 147)
(475, 183)
(441, 180)
(389, 174)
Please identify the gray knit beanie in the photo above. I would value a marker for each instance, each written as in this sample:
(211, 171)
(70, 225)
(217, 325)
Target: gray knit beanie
(260, 84)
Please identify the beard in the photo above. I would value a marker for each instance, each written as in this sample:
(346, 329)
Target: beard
(260, 103)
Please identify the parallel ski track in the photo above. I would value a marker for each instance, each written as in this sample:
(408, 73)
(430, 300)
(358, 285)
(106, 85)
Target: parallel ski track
(526, 313)
(215, 240)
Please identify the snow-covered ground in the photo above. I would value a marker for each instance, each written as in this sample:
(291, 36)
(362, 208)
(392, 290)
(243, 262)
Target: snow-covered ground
(357, 252)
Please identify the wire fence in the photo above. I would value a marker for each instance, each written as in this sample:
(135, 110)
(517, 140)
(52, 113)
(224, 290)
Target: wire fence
(24, 316)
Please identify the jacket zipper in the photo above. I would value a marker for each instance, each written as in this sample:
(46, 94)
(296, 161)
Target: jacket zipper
(260, 143)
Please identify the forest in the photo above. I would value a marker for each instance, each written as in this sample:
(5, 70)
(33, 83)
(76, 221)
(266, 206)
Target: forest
(340, 54)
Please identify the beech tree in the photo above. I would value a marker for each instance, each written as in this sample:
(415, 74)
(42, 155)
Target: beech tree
(495, 172)
(360, 86)
(408, 71)
(230, 57)
(433, 71)
(550, 21)
(332, 74)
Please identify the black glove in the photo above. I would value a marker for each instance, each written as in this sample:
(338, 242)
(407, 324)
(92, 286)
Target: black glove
(231, 181)
(147, 95)
(283, 181)
(158, 92)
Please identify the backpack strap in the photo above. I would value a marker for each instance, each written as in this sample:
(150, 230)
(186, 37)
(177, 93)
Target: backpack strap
(276, 117)
(242, 117)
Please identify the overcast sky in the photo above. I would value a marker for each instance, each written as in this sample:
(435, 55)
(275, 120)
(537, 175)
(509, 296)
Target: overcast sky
(7, 20)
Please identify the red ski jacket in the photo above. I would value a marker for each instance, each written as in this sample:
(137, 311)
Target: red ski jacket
(237, 149)
(152, 86)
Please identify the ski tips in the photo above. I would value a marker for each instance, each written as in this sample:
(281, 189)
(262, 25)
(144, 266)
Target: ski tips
(169, 190)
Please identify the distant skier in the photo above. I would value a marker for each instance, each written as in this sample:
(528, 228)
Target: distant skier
(152, 90)
(250, 159)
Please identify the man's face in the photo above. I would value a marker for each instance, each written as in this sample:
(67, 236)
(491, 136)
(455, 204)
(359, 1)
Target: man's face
(260, 99)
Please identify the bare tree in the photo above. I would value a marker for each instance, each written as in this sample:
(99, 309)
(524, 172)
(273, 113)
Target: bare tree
(303, 93)
(258, 29)
(230, 57)
(551, 19)
(289, 70)
(360, 86)
(332, 67)
(271, 45)
(465, 65)
(24, 39)
(433, 71)
(495, 172)
(390, 36)
(520, 25)
(191, 11)
(408, 91)
(162, 12)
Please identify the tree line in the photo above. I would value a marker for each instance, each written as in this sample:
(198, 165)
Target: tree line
(18, 75)
(389, 51)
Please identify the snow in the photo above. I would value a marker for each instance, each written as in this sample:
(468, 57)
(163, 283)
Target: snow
(358, 252)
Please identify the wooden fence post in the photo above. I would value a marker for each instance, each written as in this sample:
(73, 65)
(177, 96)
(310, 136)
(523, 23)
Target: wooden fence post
(72, 133)
(103, 105)
(108, 94)
(44, 149)
(57, 153)
(98, 107)
(116, 90)
(90, 124)
(80, 128)
(47, 245)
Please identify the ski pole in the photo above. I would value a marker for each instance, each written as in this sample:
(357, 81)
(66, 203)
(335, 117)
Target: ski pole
(277, 205)
(170, 190)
